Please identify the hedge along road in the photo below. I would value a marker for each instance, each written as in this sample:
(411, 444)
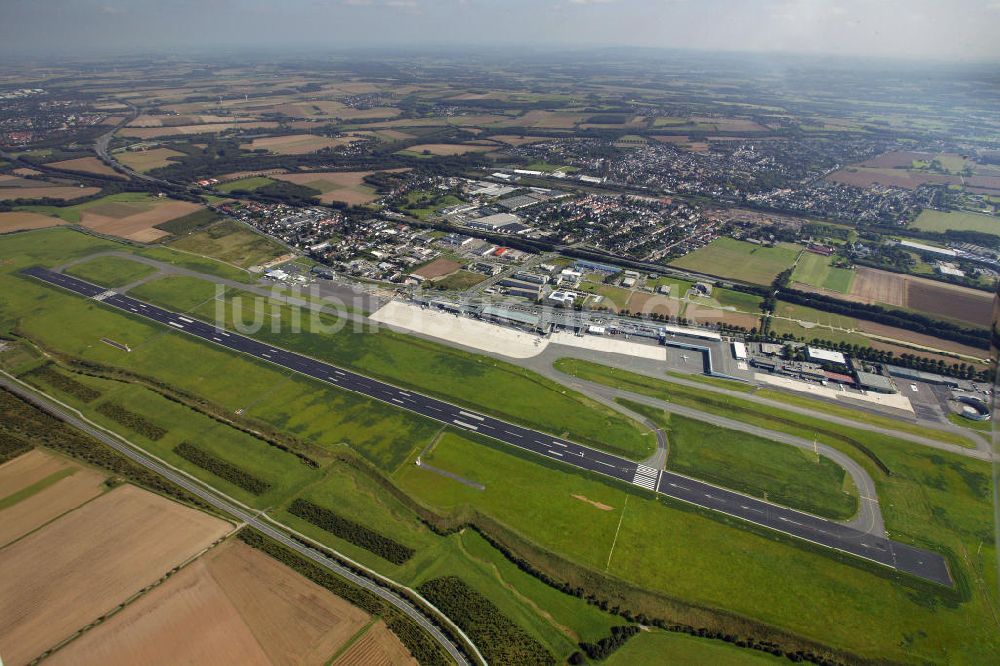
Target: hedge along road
(921, 563)
(251, 518)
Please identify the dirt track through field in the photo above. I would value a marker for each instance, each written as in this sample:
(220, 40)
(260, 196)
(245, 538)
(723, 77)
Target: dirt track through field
(234, 605)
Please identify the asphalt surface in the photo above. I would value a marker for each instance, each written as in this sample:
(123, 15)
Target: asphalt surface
(921, 563)
(230, 507)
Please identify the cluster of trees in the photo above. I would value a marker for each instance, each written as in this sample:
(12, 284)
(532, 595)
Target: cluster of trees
(348, 530)
(222, 469)
(604, 648)
(131, 420)
(23, 420)
(12, 446)
(423, 648)
(67, 385)
(497, 637)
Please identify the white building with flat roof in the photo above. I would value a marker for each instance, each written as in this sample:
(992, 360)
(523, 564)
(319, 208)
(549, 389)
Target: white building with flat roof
(820, 355)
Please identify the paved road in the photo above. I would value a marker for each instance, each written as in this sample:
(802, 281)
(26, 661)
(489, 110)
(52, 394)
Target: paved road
(236, 510)
(923, 564)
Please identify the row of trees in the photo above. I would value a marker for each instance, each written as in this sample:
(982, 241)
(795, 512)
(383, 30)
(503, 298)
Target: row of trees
(349, 530)
(222, 469)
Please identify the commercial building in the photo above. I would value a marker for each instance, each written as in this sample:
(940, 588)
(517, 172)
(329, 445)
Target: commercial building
(825, 356)
(869, 381)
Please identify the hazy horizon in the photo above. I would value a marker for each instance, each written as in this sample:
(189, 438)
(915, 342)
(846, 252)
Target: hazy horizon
(963, 30)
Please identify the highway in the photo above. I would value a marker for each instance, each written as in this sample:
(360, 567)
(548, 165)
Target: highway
(921, 563)
(233, 508)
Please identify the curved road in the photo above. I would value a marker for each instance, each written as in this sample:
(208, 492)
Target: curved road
(233, 508)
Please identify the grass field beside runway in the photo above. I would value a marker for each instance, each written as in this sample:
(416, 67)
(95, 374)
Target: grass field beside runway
(777, 472)
(282, 470)
(110, 271)
(476, 381)
(556, 619)
(717, 562)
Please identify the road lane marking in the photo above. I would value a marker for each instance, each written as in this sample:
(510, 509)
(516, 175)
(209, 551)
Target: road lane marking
(185, 319)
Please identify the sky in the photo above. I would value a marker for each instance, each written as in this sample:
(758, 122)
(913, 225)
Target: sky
(909, 29)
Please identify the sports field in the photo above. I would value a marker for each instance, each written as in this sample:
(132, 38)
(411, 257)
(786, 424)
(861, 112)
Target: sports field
(941, 221)
(816, 270)
(739, 260)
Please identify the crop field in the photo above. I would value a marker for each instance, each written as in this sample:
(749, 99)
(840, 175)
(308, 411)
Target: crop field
(87, 165)
(189, 130)
(23, 221)
(378, 645)
(110, 271)
(346, 186)
(445, 149)
(941, 221)
(77, 568)
(299, 144)
(653, 304)
(459, 281)
(15, 188)
(519, 140)
(702, 314)
(896, 159)
(131, 215)
(147, 160)
(438, 268)
(233, 605)
(232, 243)
(37, 487)
(739, 260)
(753, 465)
(929, 296)
(816, 270)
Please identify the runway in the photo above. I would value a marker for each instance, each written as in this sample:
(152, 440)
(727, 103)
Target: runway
(921, 563)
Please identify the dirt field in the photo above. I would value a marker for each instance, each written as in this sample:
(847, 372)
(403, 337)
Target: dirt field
(147, 160)
(378, 647)
(35, 510)
(704, 315)
(186, 130)
(346, 186)
(916, 293)
(22, 221)
(447, 148)
(135, 222)
(653, 304)
(86, 165)
(919, 339)
(60, 578)
(298, 144)
(437, 268)
(64, 192)
(234, 605)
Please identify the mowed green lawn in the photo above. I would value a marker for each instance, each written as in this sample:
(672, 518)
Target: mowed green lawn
(753, 465)
(941, 221)
(738, 260)
(136, 201)
(110, 271)
(817, 271)
(468, 379)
